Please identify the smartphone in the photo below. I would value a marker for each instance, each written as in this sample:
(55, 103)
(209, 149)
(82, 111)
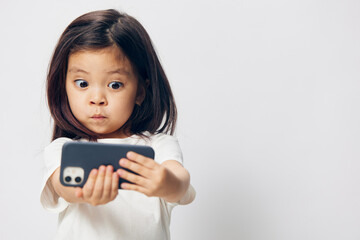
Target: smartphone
(79, 158)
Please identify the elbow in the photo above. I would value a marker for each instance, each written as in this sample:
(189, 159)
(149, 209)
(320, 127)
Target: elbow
(189, 196)
(189, 192)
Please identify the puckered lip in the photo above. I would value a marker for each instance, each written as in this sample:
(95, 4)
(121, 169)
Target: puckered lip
(98, 116)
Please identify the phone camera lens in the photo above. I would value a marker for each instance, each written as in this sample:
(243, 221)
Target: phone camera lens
(68, 179)
(78, 179)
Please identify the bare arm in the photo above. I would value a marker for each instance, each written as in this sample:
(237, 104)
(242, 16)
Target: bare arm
(182, 180)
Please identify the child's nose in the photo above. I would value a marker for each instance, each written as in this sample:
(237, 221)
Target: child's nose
(98, 98)
(98, 102)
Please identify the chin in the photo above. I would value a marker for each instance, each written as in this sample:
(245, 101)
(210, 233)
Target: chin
(111, 134)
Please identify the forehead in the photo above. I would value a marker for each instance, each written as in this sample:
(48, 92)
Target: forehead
(105, 59)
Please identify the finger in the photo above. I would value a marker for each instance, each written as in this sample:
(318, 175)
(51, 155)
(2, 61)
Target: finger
(129, 186)
(89, 185)
(114, 185)
(136, 179)
(135, 167)
(108, 182)
(145, 161)
(99, 184)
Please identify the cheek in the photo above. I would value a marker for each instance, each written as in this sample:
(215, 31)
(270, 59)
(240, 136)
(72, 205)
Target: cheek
(74, 105)
(123, 107)
(75, 101)
(124, 104)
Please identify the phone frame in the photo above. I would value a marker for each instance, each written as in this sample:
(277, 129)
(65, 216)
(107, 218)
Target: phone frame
(90, 155)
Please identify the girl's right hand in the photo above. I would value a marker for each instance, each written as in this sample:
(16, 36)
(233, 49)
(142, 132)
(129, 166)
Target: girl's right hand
(101, 186)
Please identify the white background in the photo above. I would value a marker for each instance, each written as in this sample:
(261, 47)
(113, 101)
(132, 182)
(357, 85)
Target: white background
(268, 98)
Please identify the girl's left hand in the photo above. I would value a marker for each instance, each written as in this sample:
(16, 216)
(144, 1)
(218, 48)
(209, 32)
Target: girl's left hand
(153, 179)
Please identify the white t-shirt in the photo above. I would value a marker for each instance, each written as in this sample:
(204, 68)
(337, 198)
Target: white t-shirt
(132, 215)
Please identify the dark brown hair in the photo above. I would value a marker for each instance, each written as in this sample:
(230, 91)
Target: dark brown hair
(101, 29)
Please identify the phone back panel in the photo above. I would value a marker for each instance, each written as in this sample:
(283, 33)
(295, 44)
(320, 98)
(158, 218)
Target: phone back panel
(79, 158)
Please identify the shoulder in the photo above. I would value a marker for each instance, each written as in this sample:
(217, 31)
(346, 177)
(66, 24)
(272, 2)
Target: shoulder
(166, 147)
(59, 142)
(52, 153)
(162, 138)
(56, 145)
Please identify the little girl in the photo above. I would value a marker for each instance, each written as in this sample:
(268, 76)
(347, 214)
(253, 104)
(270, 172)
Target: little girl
(105, 83)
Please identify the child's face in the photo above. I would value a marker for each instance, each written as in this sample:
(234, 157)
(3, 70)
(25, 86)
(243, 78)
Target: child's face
(102, 90)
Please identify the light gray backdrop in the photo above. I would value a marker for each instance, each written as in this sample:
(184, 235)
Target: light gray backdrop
(268, 98)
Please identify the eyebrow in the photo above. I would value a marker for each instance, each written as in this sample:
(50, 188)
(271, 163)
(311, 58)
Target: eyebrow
(119, 71)
(116, 71)
(76, 70)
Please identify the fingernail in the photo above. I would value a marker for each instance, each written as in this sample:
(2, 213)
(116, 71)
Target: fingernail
(122, 161)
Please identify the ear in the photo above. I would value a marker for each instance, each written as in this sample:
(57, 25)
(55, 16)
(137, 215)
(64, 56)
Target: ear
(141, 93)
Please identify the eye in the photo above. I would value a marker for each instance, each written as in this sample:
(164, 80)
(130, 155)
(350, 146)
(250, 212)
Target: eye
(115, 85)
(81, 83)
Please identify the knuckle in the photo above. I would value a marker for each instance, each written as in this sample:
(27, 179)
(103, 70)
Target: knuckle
(129, 177)
(141, 159)
(107, 188)
(135, 178)
(113, 197)
(122, 173)
(107, 182)
(88, 186)
(103, 200)
(149, 193)
(99, 189)
(135, 167)
(97, 193)
(151, 190)
(109, 175)
(127, 163)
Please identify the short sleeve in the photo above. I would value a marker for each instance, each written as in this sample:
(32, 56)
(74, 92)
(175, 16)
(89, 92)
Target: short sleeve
(166, 147)
(49, 199)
